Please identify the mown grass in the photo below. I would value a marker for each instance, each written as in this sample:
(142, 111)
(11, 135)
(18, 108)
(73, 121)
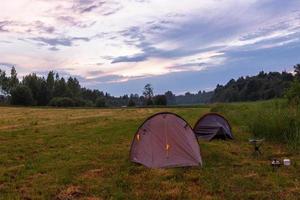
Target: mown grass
(83, 154)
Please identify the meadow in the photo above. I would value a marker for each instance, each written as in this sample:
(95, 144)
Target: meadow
(50, 153)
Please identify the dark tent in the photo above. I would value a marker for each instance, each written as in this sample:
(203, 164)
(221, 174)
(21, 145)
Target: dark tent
(213, 126)
(165, 140)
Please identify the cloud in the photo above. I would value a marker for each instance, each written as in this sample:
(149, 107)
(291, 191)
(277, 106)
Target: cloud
(112, 11)
(5, 64)
(5, 42)
(19, 27)
(135, 58)
(125, 40)
(53, 49)
(108, 79)
(89, 9)
(83, 6)
(74, 22)
(149, 51)
(188, 67)
(199, 34)
(102, 7)
(95, 73)
(42, 27)
(3, 26)
(59, 41)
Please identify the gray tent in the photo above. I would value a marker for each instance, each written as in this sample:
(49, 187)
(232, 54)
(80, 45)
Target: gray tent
(165, 140)
(213, 126)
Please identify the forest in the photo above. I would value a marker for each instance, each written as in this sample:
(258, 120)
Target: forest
(54, 90)
(260, 87)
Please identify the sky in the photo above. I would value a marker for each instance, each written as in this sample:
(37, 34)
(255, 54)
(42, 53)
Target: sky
(119, 46)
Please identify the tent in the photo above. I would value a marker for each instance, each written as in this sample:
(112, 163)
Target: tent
(213, 126)
(165, 140)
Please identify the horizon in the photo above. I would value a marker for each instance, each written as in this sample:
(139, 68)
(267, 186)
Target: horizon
(119, 46)
(140, 93)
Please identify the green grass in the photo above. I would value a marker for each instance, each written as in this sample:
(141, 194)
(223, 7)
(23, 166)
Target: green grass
(273, 120)
(84, 154)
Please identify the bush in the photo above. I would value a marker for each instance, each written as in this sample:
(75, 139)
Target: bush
(160, 100)
(131, 103)
(78, 102)
(100, 102)
(4, 100)
(21, 95)
(149, 102)
(89, 103)
(293, 93)
(62, 102)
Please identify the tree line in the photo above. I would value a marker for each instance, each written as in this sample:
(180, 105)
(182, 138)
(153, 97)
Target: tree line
(262, 86)
(54, 90)
(50, 90)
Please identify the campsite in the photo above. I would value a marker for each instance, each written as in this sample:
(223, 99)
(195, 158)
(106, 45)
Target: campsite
(75, 153)
(149, 100)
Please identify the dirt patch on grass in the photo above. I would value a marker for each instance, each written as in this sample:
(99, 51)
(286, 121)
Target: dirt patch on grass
(250, 175)
(8, 127)
(2, 186)
(94, 173)
(172, 190)
(91, 198)
(70, 193)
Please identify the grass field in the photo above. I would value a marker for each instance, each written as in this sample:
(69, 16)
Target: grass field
(83, 154)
